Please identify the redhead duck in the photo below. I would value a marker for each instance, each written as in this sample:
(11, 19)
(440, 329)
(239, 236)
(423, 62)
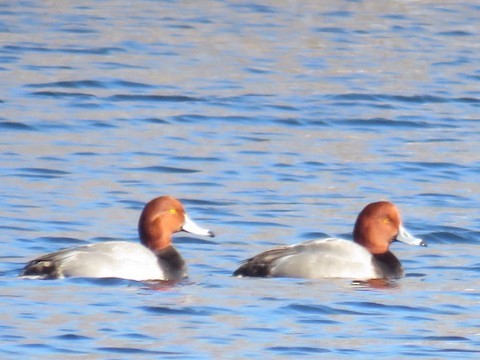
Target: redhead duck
(366, 257)
(154, 259)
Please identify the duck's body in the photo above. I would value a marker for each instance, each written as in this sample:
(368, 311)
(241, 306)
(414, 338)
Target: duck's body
(154, 259)
(367, 257)
(111, 259)
(313, 259)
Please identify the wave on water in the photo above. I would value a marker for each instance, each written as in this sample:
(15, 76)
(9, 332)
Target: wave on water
(420, 99)
(16, 126)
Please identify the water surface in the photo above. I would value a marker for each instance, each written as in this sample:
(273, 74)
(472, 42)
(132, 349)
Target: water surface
(274, 123)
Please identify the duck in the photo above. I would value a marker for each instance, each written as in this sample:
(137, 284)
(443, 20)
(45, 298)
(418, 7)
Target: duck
(155, 258)
(366, 257)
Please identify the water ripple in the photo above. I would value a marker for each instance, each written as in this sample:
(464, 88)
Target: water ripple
(297, 350)
(163, 169)
(382, 122)
(322, 309)
(420, 99)
(16, 126)
(454, 236)
(72, 337)
(41, 173)
(67, 50)
(62, 94)
(77, 84)
(195, 118)
(455, 33)
(136, 351)
(61, 240)
(380, 309)
(186, 311)
(153, 98)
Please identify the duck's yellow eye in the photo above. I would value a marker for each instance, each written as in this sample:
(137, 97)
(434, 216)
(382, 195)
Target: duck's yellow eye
(172, 211)
(386, 220)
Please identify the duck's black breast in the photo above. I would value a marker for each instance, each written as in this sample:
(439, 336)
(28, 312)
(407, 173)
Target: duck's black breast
(172, 263)
(388, 265)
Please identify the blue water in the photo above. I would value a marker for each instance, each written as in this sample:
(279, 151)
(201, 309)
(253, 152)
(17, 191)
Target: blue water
(274, 123)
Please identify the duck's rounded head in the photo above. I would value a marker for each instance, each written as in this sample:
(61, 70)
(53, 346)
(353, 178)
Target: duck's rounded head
(160, 218)
(378, 225)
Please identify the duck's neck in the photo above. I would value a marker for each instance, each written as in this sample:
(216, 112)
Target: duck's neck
(390, 266)
(158, 243)
(172, 263)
